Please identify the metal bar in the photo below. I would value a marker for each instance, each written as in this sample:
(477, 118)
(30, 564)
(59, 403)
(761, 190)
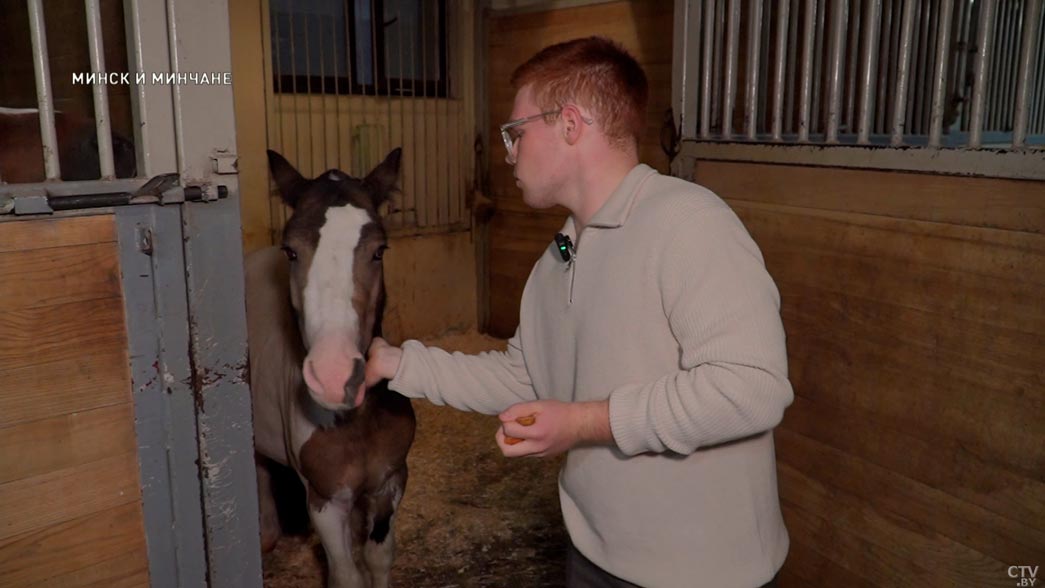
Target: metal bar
(939, 96)
(730, 73)
(981, 71)
(903, 72)
(766, 43)
(1039, 105)
(834, 70)
(417, 148)
(706, 71)
(401, 215)
(792, 65)
(754, 23)
(885, 58)
(924, 114)
(919, 51)
(337, 89)
(779, 67)
(101, 96)
(819, 80)
(805, 92)
(350, 35)
(685, 83)
(428, 193)
(323, 94)
(1028, 43)
(297, 95)
(869, 64)
(1028, 164)
(44, 99)
(852, 72)
(309, 99)
(717, 65)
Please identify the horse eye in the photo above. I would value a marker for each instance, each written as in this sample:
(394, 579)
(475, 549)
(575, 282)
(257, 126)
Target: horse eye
(290, 253)
(380, 253)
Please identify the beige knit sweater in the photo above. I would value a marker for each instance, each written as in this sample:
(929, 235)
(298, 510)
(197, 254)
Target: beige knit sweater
(668, 311)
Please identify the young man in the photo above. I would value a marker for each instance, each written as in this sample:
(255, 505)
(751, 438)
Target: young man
(654, 354)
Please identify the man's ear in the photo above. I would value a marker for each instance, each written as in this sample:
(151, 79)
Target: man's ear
(572, 123)
(287, 178)
(382, 179)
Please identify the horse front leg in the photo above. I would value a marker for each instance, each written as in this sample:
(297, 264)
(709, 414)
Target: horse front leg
(269, 515)
(379, 550)
(332, 520)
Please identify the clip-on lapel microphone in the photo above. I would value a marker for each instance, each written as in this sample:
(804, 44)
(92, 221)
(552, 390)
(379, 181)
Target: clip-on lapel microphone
(565, 246)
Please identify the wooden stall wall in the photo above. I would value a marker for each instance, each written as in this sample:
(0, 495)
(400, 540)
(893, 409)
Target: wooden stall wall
(518, 234)
(70, 503)
(913, 305)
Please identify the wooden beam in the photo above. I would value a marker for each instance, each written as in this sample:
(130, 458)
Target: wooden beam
(23, 235)
(59, 275)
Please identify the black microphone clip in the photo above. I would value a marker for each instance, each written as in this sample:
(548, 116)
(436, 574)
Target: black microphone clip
(565, 246)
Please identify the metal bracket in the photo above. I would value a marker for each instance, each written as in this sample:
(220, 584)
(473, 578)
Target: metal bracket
(224, 162)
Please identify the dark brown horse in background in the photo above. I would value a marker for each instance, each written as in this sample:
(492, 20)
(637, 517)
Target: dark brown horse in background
(21, 150)
(312, 311)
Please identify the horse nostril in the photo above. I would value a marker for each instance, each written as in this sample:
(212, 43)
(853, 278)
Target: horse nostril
(358, 373)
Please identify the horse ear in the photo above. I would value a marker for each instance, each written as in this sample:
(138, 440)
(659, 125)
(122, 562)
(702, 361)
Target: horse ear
(383, 178)
(287, 178)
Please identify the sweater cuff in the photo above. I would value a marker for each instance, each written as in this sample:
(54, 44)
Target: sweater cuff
(628, 420)
(409, 379)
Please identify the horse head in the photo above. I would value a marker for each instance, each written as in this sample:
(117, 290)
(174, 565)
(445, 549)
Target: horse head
(335, 241)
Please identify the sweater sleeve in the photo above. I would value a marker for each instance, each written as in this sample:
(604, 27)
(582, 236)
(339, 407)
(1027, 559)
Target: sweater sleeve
(488, 382)
(724, 311)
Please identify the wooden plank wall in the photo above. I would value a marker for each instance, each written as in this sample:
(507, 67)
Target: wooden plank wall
(70, 503)
(913, 454)
(518, 234)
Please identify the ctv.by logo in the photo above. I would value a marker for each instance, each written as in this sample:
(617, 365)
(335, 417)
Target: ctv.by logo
(1025, 575)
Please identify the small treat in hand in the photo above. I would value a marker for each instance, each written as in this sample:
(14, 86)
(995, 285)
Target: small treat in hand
(525, 421)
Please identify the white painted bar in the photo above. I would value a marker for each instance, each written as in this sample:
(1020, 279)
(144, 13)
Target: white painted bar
(1025, 75)
(939, 96)
(868, 67)
(96, 48)
(44, 99)
(730, 74)
(903, 72)
(779, 65)
(836, 45)
(981, 67)
(754, 24)
(804, 100)
(705, 75)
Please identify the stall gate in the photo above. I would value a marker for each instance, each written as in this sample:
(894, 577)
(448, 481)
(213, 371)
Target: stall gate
(126, 450)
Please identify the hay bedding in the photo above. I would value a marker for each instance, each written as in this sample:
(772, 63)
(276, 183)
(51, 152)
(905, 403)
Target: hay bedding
(469, 519)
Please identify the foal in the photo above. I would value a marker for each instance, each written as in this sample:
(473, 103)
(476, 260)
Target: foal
(312, 311)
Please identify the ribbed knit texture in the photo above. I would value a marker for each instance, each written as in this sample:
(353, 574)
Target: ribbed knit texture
(667, 311)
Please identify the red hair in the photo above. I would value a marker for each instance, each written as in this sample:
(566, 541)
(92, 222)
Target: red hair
(595, 73)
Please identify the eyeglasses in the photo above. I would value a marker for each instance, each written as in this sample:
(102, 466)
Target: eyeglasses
(512, 138)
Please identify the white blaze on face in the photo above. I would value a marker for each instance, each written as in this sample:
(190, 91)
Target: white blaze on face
(331, 324)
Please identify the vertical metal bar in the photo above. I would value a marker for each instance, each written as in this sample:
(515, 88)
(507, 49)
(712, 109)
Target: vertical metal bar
(1012, 58)
(401, 215)
(415, 167)
(444, 121)
(981, 70)
(754, 23)
(44, 99)
(805, 91)
(919, 49)
(310, 97)
(101, 97)
(932, 34)
(323, 93)
(903, 72)
(839, 14)
(885, 59)
(267, 76)
(764, 70)
(1039, 105)
(685, 70)
(792, 64)
(428, 193)
(939, 97)
(852, 71)
(296, 97)
(350, 95)
(718, 64)
(1025, 75)
(706, 71)
(779, 66)
(337, 89)
(868, 66)
(819, 80)
(730, 73)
